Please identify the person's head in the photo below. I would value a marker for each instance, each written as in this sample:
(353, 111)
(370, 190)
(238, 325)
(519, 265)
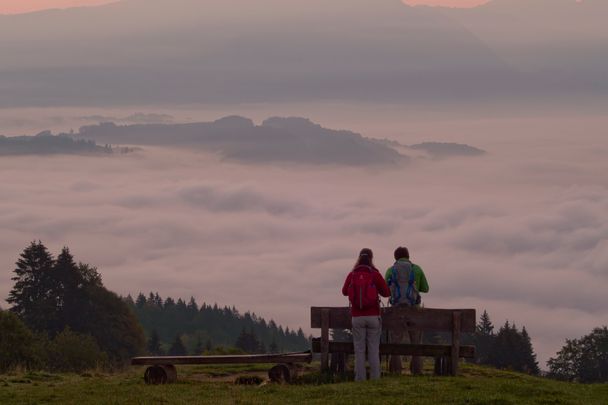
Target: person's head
(402, 253)
(365, 258)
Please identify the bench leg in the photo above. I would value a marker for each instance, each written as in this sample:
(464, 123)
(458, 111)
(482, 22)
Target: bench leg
(325, 340)
(442, 365)
(456, 322)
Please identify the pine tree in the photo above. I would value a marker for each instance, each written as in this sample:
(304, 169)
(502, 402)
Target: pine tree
(530, 363)
(198, 347)
(153, 345)
(140, 302)
(32, 295)
(273, 346)
(485, 327)
(247, 341)
(69, 293)
(484, 339)
(177, 347)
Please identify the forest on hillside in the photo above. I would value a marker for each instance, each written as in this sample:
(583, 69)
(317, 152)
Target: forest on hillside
(208, 327)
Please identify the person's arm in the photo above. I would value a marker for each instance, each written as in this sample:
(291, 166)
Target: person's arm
(381, 285)
(387, 275)
(346, 284)
(423, 285)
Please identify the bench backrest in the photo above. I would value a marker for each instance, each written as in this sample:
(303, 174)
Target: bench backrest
(432, 319)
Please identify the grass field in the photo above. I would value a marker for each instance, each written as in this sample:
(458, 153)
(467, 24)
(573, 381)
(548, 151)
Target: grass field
(215, 385)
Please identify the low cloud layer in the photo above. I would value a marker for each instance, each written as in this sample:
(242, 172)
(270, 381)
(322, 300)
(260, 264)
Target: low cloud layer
(520, 232)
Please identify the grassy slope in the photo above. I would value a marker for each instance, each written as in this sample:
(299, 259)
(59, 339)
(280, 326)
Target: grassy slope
(476, 385)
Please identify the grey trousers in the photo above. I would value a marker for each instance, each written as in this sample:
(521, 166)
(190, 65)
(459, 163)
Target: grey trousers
(366, 333)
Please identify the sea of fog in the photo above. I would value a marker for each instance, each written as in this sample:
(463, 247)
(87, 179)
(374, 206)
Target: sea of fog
(521, 231)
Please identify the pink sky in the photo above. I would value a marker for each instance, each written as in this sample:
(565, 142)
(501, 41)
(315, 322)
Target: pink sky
(22, 6)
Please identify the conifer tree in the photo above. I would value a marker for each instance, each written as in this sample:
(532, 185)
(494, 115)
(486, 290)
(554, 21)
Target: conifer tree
(32, 296)
(140, 302)
(69, 293)
(177, 347)
(198, 347)
(153, 345)
(530, 364)
(484, 339)
(53, 295)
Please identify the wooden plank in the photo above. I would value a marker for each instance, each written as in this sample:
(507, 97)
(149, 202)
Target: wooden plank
(397, 317)
(325, 313)
(299, 357)
(455, 342)
(403, 349)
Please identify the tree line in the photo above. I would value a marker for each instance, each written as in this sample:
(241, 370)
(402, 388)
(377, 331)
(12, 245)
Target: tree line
(176, 327)
(509, 348)
(62, 318)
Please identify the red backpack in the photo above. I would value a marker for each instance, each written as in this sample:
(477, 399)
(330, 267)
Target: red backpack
(362, 291)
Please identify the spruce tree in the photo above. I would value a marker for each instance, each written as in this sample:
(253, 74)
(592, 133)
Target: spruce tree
(177, 347)
(140, 302)
(273, 346)
(198, 347)
(68, 292)
(153, 345)
(32, 297)
(484, 339)
(530, 364)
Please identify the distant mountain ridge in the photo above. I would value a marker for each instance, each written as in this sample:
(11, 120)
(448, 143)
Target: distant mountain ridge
(139, 52)
(185, 51)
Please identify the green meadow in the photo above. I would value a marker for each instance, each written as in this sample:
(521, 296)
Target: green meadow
(215, 385)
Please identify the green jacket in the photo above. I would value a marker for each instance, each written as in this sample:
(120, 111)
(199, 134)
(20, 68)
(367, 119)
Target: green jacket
(419, 278)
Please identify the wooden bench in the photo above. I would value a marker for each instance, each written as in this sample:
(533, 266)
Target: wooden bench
(162, 368)
(455, 321)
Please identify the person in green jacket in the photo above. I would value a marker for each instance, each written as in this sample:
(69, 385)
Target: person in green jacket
(406, 281)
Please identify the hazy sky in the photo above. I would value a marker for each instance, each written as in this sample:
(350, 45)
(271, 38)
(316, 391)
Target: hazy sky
(22, 6)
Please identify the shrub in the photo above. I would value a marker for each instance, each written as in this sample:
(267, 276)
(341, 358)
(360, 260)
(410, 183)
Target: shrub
(73, 352)
(18, 346)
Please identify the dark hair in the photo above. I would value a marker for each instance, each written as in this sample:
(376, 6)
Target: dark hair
(365, 258)
(368, 252)
(402, 253)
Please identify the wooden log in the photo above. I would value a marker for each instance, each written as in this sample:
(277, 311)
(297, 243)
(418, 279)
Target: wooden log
(455, 343)
(432, 319)
(403, 349)
(283, 373)
(324, 339)
(299, 357)
(160, 374)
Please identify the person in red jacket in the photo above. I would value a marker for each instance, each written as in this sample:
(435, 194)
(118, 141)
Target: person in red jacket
(363, 285)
